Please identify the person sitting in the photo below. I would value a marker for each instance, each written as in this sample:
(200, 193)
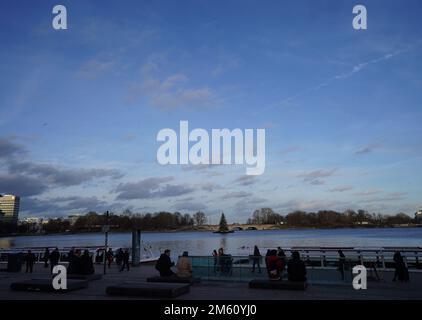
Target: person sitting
(296, 268)
(184, 266)
(274, 265)
(164, 264)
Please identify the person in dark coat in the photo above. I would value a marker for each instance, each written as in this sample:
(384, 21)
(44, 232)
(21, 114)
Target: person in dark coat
(256, 259)
(266, 260)
(125, 260)
(296, 268)
(341, 263)
(109, 257)
(71, 259)
(30, 260)
(215, 255)
(164, 264)
(46, 257)
(87, 266)
(119, 256)
(280, 253)
(54, 258)
(400, 272)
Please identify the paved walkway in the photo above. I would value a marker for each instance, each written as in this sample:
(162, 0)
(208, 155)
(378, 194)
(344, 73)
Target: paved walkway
(213, 290)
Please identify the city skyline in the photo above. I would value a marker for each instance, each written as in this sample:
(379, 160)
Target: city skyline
(80, 108)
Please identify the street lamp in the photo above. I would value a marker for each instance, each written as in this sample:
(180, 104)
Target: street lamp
(106, 228)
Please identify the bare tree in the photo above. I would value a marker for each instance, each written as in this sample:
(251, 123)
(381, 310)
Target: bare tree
(200, 218)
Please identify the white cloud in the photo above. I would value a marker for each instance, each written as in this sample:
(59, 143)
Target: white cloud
(169, 92)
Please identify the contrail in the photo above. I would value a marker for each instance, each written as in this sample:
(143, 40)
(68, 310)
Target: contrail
(356, 69)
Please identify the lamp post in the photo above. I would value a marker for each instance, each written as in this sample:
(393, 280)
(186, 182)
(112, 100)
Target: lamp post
(106, 228)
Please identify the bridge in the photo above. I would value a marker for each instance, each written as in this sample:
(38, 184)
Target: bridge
(238, 226)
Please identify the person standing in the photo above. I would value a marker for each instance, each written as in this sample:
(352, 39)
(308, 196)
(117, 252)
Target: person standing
(341, 263)
(400, 271)
(86, 264)
(215, 255)
(256, 259)
(30, 260)
(54, 258)
(125, 260)
(46, 257)
(119, 257)
(109, 257)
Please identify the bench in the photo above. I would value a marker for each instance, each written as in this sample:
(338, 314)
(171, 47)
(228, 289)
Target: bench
(174, 279)
(148, 289)
(88, 277)
(279, 285)
(46, 285)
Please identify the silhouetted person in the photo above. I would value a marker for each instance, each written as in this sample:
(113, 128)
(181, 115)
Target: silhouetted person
(184, 266)
(86, 265)
(225, 261)
(30, 260)
(109, 257)
(46, 257)
(401, 271)
(275, 265)
(256, 259)
(72, 261)
(215, 255)
(280, 253)
(125, 260)
(373, 268)
(164, 264)
(341, 263)
(70, 253)
(296, 268)
(119, 256)
(266, 260)
(54, 258)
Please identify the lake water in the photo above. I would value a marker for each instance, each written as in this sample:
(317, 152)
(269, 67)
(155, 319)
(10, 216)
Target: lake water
(202, 243)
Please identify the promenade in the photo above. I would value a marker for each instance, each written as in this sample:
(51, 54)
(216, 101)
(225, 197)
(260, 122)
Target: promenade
(216, 290)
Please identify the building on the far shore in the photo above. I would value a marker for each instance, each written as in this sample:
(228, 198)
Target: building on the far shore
(73, 218)
(9, 207)
(418, 216)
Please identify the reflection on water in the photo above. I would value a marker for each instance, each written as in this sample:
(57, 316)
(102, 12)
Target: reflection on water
(240, 242)
(6, 243)
(223, 242)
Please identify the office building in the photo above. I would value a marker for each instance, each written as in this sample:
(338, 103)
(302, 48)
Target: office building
(9, 208)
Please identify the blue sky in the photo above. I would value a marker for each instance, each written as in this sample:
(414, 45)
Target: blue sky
(81, 108)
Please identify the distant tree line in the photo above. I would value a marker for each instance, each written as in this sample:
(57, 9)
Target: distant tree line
(328, 218)
(93, 221)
